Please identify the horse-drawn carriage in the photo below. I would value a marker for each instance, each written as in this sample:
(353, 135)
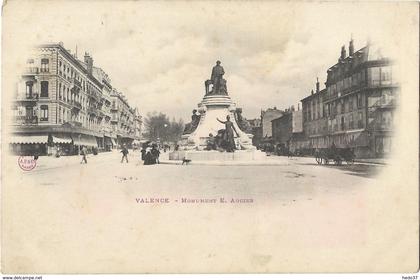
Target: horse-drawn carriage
(336, 155)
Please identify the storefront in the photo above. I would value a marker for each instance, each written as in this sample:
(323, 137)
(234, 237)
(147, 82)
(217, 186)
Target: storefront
(108, 143)
(89, 141)
(62, 145)
(29, 145)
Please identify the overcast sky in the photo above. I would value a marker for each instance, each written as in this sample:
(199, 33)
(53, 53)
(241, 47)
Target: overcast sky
(160, 54)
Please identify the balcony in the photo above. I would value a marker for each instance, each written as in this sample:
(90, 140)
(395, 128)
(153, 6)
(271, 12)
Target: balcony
(93, 111)
(25, 97)
(26, 120)
(75, 123)
(31, 71)
(76, 86)
(76, 106)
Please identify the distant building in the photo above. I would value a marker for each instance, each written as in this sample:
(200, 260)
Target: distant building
(266, 117)
(288, 131)
(256, 130)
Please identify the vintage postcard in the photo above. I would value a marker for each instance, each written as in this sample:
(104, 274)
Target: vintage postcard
(209, 137)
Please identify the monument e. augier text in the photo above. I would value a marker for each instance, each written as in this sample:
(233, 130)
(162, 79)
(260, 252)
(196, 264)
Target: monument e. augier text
(214, 132)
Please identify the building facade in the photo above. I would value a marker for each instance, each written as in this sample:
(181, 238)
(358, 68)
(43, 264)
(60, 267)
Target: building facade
(266, 117)
(288, 132)
(356, 109)
(62, 103)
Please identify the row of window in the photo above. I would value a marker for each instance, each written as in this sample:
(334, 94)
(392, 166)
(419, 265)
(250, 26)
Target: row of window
(375, 76)
(30, 91)
(45, 64)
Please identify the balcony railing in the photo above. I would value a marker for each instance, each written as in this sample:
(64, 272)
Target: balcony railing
(26, 119)
(77, 83)
(27, 97)
(75, 123)
(31, 71)
(76, 105)
(93, 110)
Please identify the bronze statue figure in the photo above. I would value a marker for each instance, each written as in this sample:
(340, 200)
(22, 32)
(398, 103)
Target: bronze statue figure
(228, 136)
(195, 119)
(216, 79)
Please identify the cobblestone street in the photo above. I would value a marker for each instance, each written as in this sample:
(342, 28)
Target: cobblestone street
(296, 195)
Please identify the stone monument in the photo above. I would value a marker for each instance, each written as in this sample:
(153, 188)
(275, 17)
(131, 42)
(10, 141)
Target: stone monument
(215, 134)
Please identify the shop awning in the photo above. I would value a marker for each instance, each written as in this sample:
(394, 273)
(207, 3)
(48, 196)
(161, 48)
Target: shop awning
(85, 140)
(62, 140)
(29, 139)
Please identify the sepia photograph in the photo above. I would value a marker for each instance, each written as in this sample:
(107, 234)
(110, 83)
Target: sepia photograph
(209, 137)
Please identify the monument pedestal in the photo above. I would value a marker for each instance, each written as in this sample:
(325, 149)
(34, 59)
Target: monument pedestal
(216, 105)
(211, 108)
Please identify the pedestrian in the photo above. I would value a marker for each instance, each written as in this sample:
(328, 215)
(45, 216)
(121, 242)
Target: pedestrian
(124, 152)
(148, 157)
(83, 153)
(143, 152)
(155, 153)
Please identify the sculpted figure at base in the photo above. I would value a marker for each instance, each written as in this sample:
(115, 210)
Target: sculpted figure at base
(229, 137)
(195, 119)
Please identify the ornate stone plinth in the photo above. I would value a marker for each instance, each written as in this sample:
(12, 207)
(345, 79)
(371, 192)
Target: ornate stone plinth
(216, 105)
(211, 108)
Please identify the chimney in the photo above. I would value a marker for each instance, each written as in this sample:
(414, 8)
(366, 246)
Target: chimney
(351, 48)
(89, 62)
(343, 52)
(317, 85)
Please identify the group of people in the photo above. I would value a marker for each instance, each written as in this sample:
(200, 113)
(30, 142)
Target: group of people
(150, 155)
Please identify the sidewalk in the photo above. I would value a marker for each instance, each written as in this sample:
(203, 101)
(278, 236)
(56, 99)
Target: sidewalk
(382, 161)
(51, 162)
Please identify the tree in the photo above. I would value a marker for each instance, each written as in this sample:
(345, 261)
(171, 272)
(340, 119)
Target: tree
(158, 127)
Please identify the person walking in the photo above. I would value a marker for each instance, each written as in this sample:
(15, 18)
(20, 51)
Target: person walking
(143, 152)
(155, 153)
(124, 152)
(83, 153)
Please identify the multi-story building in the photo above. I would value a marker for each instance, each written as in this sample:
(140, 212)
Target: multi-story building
(61, 103)
(109, 139)
(356, 108)
(123, 119)
(314, 118)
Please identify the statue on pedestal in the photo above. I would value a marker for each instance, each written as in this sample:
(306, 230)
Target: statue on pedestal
(219, 84)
